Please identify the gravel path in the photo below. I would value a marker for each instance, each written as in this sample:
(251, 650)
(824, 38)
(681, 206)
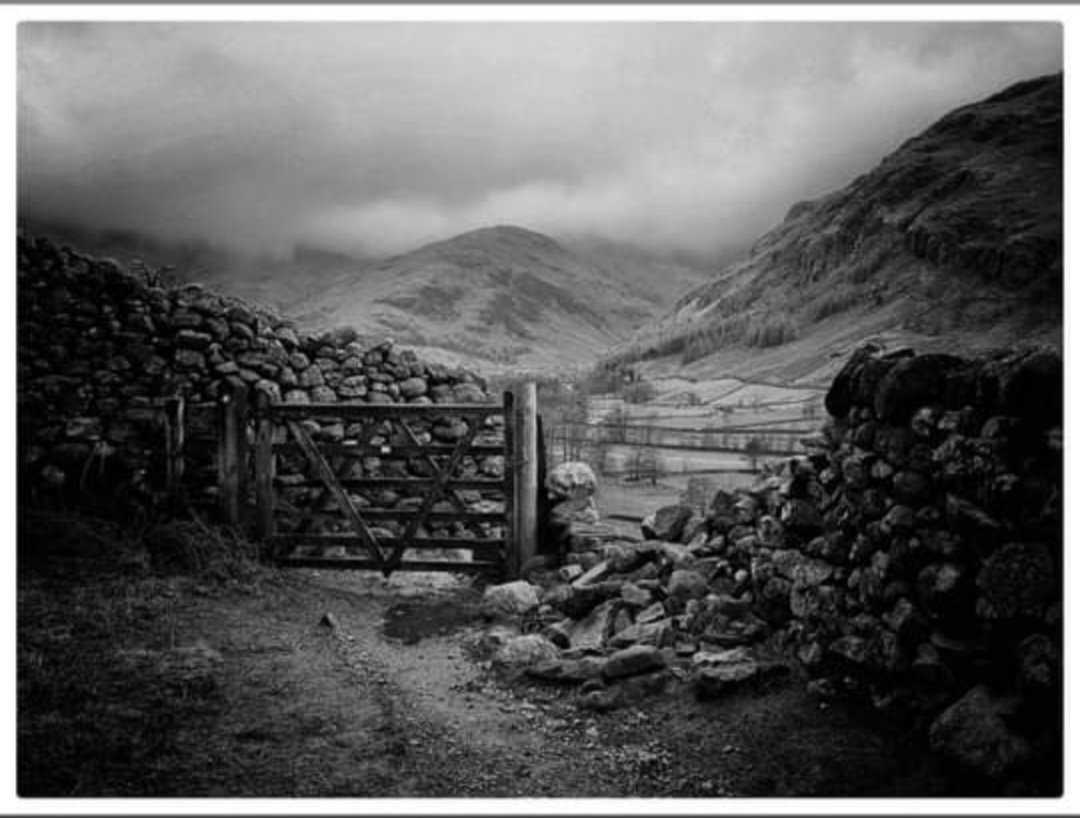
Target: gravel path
(317, 700)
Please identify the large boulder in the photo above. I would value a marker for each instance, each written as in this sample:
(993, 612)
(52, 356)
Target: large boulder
(1028, 383)
(667, 523)
(857, 382)
(510, 599)
(571, 481)
(524, 651)
(569, 671)
(717, 674)
(920, 381)
(658, 633)
(634, 660)
(579, 510)
(683, 586)
(591, 632)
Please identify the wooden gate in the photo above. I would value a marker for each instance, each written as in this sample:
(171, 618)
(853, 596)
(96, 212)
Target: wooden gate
(397, 487)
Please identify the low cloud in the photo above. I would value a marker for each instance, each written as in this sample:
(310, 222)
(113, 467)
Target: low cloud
(377, 137)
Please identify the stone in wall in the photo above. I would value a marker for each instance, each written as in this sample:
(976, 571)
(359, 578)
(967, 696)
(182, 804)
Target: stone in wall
(913, 559)
(100, 348)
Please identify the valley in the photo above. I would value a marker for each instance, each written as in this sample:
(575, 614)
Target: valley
(716, 432)
(952, 243)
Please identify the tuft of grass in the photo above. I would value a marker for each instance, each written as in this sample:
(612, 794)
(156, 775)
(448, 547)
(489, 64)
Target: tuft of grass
(194, 547)
(71, 542)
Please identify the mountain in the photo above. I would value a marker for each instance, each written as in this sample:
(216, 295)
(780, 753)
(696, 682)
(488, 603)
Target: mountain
(954, 241)
(492, 298)
(660, 278)
(497, 296)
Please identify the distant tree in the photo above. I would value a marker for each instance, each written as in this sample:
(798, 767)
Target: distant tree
(639, 392)
(709, 438)
(645, 465)
(752, 451)
(614, 425)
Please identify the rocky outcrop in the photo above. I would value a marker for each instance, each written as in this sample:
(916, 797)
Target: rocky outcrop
(977, 194)
(954, 240)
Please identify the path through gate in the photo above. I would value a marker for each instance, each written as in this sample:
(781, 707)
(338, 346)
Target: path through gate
(397, 487)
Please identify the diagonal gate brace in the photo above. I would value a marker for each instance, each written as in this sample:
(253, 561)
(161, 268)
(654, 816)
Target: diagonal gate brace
(330, 480)
(440, 480)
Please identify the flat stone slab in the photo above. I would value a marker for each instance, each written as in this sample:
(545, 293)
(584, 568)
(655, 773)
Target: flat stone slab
(634, 660)
(569, 671)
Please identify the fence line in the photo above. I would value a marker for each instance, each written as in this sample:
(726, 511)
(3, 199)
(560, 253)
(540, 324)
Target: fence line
(760, 428)
(677, 447)
(714, 411)
(644, 475)
(676, 430)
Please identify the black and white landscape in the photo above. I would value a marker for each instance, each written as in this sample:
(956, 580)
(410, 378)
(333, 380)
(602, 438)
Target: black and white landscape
(792, 295)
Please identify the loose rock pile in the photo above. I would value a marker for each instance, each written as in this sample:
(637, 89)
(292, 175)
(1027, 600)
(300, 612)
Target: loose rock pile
(100, 347)
(623, 618)
(912, 558)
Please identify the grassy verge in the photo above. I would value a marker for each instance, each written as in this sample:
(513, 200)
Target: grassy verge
(104, 686)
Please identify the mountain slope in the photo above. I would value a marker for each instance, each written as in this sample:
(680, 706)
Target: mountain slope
(954, 240)
(504, 294)
(659, 278)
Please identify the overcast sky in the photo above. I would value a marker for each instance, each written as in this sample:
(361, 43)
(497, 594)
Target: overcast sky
(379, 137)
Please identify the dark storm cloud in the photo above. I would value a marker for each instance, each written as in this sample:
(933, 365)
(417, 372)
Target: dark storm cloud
(386, 135)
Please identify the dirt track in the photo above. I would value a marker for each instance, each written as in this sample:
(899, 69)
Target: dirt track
(383, 699)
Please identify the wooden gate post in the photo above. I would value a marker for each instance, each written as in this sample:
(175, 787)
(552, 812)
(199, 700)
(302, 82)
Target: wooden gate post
(526, 488)
(264, 468)
(174, 448)
(232, 451)
(510, 481)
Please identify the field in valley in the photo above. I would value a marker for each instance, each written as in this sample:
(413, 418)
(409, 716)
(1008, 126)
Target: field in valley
(717, 432)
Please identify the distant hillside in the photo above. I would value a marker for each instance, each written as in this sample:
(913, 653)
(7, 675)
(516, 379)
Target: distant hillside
(504, 295)
(500, 297)
(661, 279)
(952, 241)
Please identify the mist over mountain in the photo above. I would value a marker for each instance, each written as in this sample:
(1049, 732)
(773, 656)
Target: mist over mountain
(374, 138)
(326, 168)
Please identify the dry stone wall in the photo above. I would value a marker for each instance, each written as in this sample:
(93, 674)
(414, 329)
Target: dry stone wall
(915, 555)
(100, 347)
(911, 561)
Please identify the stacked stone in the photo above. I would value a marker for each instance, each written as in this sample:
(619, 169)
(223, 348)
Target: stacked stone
(916, 555)
(99, 347)
(913, 556)
(623, 617)
(944, 486)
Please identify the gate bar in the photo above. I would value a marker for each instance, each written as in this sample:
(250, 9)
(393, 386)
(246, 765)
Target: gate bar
(526, 487)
